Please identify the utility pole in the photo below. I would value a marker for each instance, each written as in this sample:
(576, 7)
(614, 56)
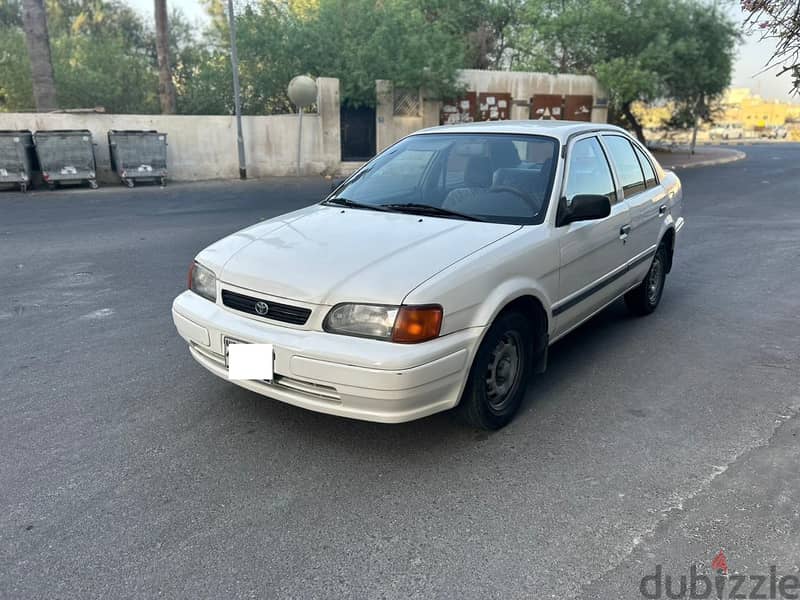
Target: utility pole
(237, 101)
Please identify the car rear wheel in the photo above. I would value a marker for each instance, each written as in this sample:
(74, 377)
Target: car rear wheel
(643, 299)
(499, 374)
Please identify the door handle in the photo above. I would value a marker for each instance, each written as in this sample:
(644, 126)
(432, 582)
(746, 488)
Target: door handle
(624, 231)
(662, 209)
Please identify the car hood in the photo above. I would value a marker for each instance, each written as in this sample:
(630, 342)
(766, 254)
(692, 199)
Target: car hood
(326, 254)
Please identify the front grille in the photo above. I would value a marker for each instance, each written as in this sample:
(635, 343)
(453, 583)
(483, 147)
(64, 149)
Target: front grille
(295, 315)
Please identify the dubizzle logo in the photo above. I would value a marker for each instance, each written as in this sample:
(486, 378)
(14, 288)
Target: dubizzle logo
(720, 584)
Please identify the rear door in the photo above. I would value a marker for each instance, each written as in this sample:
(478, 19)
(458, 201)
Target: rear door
(645, 197)
(592, 254)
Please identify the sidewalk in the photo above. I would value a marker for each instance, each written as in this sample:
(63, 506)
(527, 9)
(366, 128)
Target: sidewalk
(679, 157)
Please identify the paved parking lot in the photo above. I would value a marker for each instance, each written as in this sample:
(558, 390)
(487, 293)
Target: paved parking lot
(126, 470)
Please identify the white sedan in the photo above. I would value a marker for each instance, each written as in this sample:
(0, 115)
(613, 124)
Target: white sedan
(438, 274)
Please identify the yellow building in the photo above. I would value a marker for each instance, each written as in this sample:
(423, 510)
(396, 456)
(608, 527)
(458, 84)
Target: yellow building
(742, 107)
(739, 106)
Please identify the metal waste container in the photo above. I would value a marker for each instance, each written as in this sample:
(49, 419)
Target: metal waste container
(66, 155)
(17, 158)
(138, 155)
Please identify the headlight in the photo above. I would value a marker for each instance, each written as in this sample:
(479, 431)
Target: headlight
(402, 324)
(203, 282)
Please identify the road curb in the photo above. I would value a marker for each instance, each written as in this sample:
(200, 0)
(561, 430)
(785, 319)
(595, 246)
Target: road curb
(711, 162)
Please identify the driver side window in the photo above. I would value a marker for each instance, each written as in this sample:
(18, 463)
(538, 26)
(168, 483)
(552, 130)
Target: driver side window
(588, 171)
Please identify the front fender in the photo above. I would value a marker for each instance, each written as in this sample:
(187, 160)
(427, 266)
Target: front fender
(474, 292)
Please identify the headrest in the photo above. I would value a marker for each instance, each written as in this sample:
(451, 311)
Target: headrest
(478, 172)
(503, 154)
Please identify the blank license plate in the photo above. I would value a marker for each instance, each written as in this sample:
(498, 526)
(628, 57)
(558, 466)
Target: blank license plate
(249, 361)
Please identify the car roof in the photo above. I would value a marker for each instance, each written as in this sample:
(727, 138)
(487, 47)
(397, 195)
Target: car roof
(558, 129)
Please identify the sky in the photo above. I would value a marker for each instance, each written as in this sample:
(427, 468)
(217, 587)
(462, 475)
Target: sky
(747, 71)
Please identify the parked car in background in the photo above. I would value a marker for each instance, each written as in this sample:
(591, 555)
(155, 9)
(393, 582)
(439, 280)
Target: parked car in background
(438, 274)
(728, 131)
(775, 133)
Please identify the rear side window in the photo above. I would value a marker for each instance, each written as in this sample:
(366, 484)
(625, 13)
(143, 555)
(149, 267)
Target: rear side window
(649, 174)
(628, 168)
(589, 172)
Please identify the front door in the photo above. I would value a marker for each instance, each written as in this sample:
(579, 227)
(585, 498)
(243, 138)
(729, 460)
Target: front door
(592, 253)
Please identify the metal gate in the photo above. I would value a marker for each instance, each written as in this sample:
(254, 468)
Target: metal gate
(357, 133)
(554, 106)
(546, 107)
(494, 107)
(578, 108)
(461, 110)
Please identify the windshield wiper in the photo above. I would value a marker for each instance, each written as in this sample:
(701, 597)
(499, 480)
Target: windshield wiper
(415, 208)
(339, 201)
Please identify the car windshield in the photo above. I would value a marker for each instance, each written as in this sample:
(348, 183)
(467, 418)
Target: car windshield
(489, 177)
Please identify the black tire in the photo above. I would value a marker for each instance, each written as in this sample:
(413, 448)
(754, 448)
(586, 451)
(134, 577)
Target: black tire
(644, 299)
(496, 385)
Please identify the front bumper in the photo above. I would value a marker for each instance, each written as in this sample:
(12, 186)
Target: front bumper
(340, 375)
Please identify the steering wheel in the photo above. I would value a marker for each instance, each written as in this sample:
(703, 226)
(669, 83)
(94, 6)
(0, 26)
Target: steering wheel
(525, 198)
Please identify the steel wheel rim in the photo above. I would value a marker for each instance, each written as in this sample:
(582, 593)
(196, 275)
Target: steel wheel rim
(503, 370)
(654, 280)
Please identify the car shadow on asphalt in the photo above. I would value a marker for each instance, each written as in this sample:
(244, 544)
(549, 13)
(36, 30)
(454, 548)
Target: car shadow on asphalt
(576, 355)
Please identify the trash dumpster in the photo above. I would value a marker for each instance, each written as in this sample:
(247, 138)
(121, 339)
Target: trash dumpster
(17, 158)
(66, 156)
(138, 155)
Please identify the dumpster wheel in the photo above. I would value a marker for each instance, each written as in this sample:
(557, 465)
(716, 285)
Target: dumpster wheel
(128, 182)
(93, 184)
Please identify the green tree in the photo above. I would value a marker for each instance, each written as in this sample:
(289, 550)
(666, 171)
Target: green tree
(484, 27)
(360, 41)
(103, 54)
(357, 41)
(16, 90)
(639, 50)
(699, 70)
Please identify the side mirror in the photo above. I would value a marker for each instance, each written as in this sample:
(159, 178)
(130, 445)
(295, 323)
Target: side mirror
(584, 207)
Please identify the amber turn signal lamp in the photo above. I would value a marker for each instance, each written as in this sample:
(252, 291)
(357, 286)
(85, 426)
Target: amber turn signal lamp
(416, 324)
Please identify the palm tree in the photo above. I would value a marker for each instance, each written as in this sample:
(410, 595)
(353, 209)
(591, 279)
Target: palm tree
(34, 22)
(166, 89)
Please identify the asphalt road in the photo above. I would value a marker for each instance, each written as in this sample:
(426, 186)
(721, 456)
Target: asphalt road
(126, 470)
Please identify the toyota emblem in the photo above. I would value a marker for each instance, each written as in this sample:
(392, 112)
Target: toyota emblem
(262, 307)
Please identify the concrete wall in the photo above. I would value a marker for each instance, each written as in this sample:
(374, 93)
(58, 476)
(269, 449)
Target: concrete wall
(390, 127)
(204, 147)
(521, 85)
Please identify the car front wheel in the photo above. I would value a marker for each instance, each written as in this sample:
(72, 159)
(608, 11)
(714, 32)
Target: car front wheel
(499, 374)
(643, 299)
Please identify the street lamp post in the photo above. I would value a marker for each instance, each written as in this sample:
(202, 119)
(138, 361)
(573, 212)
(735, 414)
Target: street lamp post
(237, 101)
(302, 92)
